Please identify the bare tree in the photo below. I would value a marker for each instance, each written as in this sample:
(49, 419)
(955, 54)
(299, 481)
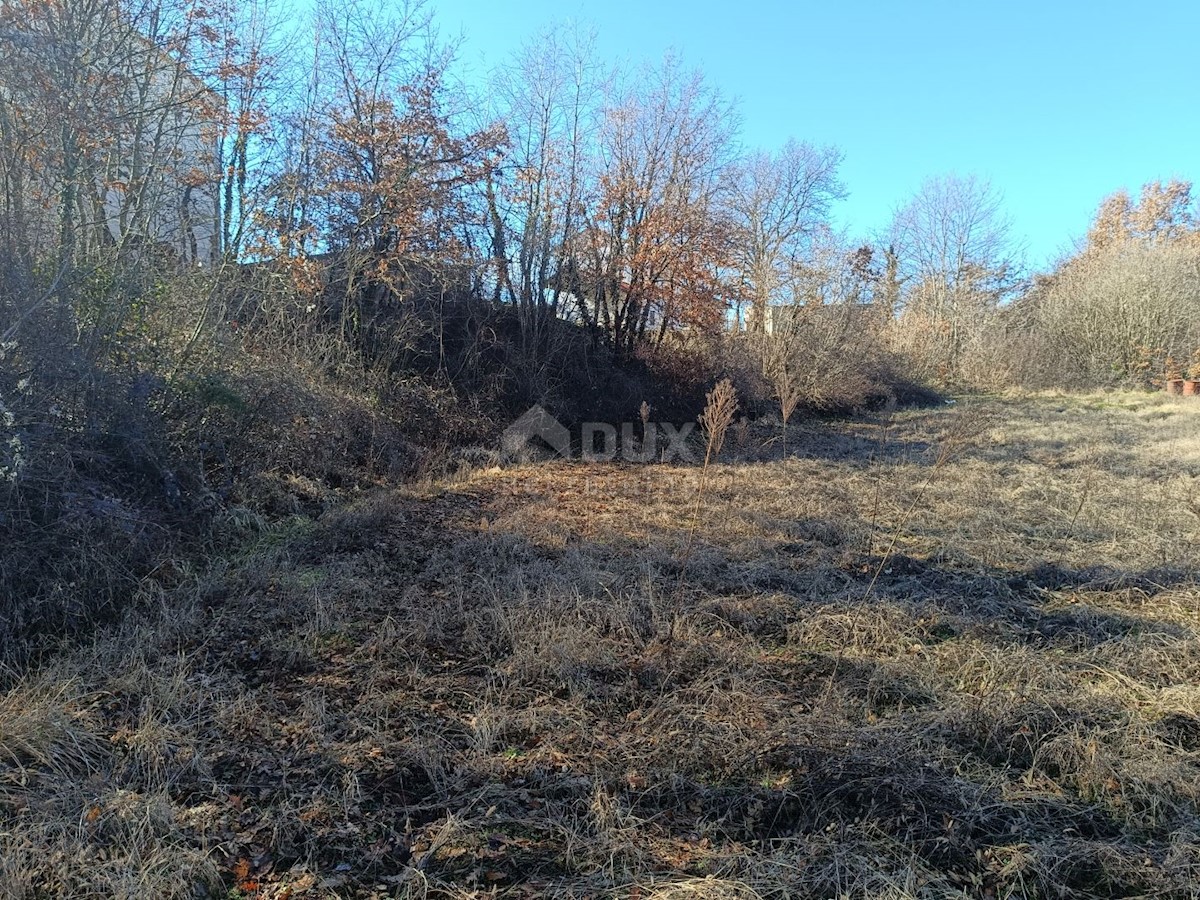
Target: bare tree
(243, 67)
(549, 100)
(956, 252)
(655, 244)
(952, 229)
(777, 202)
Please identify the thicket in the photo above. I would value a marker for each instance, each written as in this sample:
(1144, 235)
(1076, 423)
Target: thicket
(1125, 309)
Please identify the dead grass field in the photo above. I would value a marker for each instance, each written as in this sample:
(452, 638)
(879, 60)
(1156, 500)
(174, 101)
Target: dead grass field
(948, 653)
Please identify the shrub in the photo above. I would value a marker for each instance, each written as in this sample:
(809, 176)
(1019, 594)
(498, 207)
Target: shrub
(828, 358)
(1110, 317)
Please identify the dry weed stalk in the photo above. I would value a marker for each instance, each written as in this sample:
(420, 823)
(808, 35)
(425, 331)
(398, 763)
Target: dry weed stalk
(884, 430)
(644, 415)
(719, 409)
(789, 394)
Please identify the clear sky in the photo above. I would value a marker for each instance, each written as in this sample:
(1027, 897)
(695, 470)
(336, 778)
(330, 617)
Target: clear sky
(1057, 103)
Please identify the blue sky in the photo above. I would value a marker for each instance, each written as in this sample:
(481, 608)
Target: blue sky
(1057, 103)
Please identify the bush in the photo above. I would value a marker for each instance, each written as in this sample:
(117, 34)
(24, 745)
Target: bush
(1109, 317)
(136, 406)
(829, 358)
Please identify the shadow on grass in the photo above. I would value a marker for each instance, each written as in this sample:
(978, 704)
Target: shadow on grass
(467, 708)
(884, 770)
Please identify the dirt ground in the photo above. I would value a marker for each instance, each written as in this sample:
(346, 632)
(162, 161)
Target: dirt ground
(936, 653)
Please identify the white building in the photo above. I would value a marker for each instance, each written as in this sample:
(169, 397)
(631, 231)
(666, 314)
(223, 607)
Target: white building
(172, 202)
(129, 161)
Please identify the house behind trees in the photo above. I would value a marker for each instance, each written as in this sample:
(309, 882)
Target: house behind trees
(106, 139)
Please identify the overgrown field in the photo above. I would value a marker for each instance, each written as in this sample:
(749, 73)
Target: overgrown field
(940, 653)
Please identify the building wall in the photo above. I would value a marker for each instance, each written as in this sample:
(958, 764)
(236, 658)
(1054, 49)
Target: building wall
(176, 191)
(147, 175)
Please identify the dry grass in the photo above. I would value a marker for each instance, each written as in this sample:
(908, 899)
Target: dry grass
(949, 653)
